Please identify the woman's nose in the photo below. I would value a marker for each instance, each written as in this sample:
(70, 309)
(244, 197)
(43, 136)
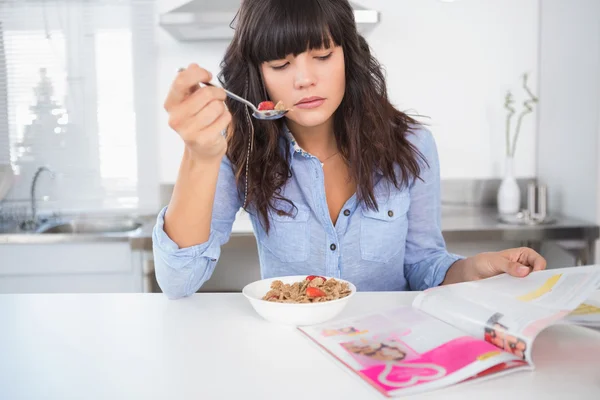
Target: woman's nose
(305, 77)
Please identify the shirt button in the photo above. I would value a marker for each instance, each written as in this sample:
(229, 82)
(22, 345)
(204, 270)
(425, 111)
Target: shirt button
(333, 247)
(390, 213)
(346, 212)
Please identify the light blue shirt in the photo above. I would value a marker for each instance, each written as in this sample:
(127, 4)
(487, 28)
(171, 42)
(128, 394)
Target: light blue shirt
(400, 247)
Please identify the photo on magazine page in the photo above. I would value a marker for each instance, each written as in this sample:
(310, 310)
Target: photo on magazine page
(499, 335)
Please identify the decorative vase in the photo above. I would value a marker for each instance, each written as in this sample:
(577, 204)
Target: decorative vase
(509, 194)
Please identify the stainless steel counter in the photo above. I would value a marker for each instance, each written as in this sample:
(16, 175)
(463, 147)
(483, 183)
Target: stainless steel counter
(459, 224)
(140, 238)
(481, 224)
(475, 224)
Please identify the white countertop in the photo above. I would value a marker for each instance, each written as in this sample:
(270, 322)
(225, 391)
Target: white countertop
(214, 346)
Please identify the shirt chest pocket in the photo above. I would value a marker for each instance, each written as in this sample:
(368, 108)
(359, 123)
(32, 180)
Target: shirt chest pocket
(383, 232)
(288, 238)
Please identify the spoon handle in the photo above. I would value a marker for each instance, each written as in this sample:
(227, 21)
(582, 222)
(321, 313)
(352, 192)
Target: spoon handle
(236, 97)
(229, 94)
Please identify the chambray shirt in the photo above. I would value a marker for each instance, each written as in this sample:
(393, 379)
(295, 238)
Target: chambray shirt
(399, 247)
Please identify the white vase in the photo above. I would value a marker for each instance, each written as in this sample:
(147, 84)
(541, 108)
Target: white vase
(509, 194)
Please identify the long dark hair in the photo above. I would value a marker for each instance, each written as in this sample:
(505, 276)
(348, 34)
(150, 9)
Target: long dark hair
(371, 134)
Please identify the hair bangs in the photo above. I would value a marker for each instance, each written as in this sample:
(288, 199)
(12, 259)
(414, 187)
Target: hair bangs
(291, 27)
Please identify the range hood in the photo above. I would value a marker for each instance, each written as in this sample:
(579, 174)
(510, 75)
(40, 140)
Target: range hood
(197, 20)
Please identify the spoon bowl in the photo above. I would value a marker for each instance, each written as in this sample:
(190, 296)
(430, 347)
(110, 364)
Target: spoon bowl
(269, 115)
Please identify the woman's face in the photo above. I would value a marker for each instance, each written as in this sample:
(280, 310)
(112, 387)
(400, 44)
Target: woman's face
(389, 353)
(313, 84)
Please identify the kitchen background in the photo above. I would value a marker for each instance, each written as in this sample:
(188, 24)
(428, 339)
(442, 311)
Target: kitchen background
(81, 91)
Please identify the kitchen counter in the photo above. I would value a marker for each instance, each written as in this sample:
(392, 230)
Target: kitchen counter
(477, 224)
(14, 235)
(214, 346)
(459, 224)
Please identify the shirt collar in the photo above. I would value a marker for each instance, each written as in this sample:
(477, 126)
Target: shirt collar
(295, 148)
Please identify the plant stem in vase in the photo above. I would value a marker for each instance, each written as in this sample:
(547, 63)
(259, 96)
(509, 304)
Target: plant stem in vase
(509, 193)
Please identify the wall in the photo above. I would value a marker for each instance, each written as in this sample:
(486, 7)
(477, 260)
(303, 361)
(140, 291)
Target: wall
(569, 118)
(452, 62)
(568, 114)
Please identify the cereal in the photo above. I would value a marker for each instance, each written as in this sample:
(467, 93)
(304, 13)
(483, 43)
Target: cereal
(313, 289)
(280, 106)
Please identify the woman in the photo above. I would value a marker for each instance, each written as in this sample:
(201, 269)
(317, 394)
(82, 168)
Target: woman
(344, 186)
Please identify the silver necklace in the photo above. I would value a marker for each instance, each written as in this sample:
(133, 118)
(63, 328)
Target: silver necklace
(334, 154)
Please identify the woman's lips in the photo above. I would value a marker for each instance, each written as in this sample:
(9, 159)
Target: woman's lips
(311, 102)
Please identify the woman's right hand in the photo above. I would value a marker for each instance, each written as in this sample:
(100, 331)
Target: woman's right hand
(198, 114)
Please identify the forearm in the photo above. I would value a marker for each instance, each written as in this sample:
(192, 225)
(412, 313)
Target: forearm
(461, 271)
(188, 217)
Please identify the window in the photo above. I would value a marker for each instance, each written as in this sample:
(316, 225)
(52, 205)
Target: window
(38, 59)
(116, 112)
(73, 100)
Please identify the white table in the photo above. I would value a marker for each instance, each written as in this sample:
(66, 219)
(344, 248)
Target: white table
(213, 346)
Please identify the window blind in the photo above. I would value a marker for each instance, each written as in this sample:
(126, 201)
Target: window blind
(75, 79)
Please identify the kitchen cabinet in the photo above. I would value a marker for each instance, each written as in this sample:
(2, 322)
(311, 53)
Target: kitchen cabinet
(80, 267)
(197, 20)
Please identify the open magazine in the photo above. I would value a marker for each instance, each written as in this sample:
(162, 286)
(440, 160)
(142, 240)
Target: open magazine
(459, 332)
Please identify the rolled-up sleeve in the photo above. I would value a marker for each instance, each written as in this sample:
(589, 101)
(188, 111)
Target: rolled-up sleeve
(180, 272)
(426, 260)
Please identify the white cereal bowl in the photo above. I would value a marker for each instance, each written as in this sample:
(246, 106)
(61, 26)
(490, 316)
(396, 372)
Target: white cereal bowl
(293, 314)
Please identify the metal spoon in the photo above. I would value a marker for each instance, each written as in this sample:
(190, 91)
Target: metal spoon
(267, 115)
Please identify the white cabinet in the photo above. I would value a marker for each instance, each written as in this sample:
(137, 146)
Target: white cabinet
(78, 267)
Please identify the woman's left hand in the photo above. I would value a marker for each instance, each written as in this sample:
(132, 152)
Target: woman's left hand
(518, 262)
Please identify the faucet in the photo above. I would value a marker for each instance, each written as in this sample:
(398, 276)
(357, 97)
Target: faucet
(39, 171)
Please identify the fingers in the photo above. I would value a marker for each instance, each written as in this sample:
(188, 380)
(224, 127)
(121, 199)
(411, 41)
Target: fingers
(222, 123)
(531, 258)
(210, 131)
(516, 269)
(201, 109)
(519, 262)
(527, 257)
(186, 83)
(500, 262)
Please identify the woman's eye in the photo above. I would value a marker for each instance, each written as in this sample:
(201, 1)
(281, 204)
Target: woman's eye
(278, 67)
(323, 58)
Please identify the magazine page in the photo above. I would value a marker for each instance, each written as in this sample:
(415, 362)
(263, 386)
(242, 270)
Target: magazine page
(557, 289)
(405, 351)
(587, 314)
(507, 311)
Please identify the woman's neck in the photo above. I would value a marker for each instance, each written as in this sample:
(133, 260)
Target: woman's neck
(316, 140)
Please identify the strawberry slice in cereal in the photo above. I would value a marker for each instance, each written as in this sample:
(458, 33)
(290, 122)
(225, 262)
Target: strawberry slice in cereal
(266, 106)
(315, 292)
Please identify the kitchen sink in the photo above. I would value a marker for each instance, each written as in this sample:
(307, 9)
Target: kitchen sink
(91, 226)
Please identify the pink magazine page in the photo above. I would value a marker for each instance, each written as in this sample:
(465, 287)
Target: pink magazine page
(404, 351)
